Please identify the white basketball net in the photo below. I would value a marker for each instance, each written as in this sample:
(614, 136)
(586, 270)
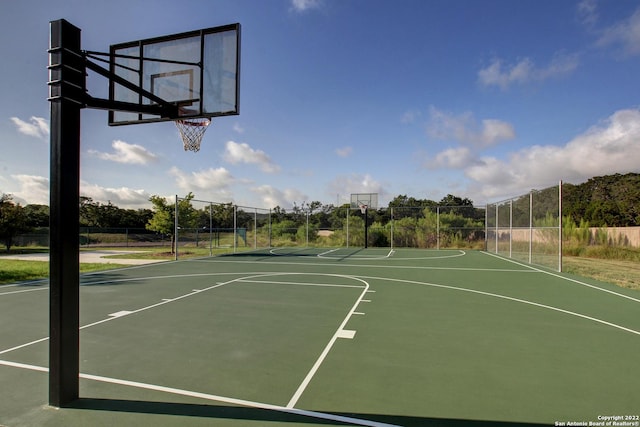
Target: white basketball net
(363, 209)
(192, 131)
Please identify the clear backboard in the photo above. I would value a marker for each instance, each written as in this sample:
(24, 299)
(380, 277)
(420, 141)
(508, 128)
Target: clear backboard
(370, 200)
(199, 71)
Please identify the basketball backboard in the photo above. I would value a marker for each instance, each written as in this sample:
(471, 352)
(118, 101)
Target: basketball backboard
(199, 71)
(370, 200)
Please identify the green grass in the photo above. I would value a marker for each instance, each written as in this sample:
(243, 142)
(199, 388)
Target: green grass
(623, 273)
(12, 270)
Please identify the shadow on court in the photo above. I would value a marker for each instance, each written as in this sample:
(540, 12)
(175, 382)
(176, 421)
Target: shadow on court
(255, 414)
(106, 278)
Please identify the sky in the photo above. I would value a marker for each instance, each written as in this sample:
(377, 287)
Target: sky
(483, 99)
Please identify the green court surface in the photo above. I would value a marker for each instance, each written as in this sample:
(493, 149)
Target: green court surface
(349, 336)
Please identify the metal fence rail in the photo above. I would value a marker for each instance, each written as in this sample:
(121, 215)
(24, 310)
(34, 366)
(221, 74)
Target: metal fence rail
(528, 228)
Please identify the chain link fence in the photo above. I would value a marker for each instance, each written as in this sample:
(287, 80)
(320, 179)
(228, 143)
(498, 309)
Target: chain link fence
(239, 228)
(528, 228)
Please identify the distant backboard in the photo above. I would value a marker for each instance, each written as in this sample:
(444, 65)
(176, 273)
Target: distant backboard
(368, 199)
(199, 71)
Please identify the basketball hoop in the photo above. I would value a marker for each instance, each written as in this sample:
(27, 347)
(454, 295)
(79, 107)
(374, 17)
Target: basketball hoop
(363, 209)
(192, 131)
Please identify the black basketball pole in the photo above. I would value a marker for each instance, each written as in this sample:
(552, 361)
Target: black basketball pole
(366, 228)
(67, 87)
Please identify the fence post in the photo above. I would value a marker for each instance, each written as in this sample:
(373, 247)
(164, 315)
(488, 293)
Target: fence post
(269, 227)
(497, 251)
(348, 212)
(438, 227)
(392, 227)
(511, 228)
(486, 227)
(175, 231)
(560, 227)
(530, 225)
(210, 229)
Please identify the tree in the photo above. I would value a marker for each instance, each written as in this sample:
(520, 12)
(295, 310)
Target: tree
(163, 219)
(89, 212)
(451, 200)
(612, 200)
(13, 220)
(223, 215)
(37, 215)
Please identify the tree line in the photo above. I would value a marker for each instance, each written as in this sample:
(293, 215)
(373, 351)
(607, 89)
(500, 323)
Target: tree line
(612, 200)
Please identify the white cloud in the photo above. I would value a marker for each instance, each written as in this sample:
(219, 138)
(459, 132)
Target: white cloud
(410, 116)
(38, 127)
(237, 128)
(355, 183)
(33, 189)
(211, 184)
(611, 147)
(587, 12)
(452, 158)
(304, 5)
(242, 153)
(123, 197)
(465, 129)
(127, 153)
(625, 34)
(272, 197)
(344, 151)
(525, 71)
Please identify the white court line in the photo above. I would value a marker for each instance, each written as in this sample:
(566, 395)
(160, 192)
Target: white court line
(273, 282)
(24, 345)
(321, 254)
(164, 301)
(347, 334)
(473, 291)
(353, 256)
(23, 291)
(296, 396)
(565, 278)
(402, 267)
(112, 317)
(212, 397)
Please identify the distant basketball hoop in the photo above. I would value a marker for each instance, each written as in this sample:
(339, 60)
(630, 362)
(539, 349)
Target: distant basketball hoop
(192, 131)
(364, 201)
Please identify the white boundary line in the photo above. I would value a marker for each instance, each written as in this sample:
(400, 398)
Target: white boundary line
(212, 397)
(404, 267)
(522, 301)
(325, 255)
(327, 285)
(247, 277)
(564, 278)
(46, 288)
(18, 347)
(302, 387)
(328, 254)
